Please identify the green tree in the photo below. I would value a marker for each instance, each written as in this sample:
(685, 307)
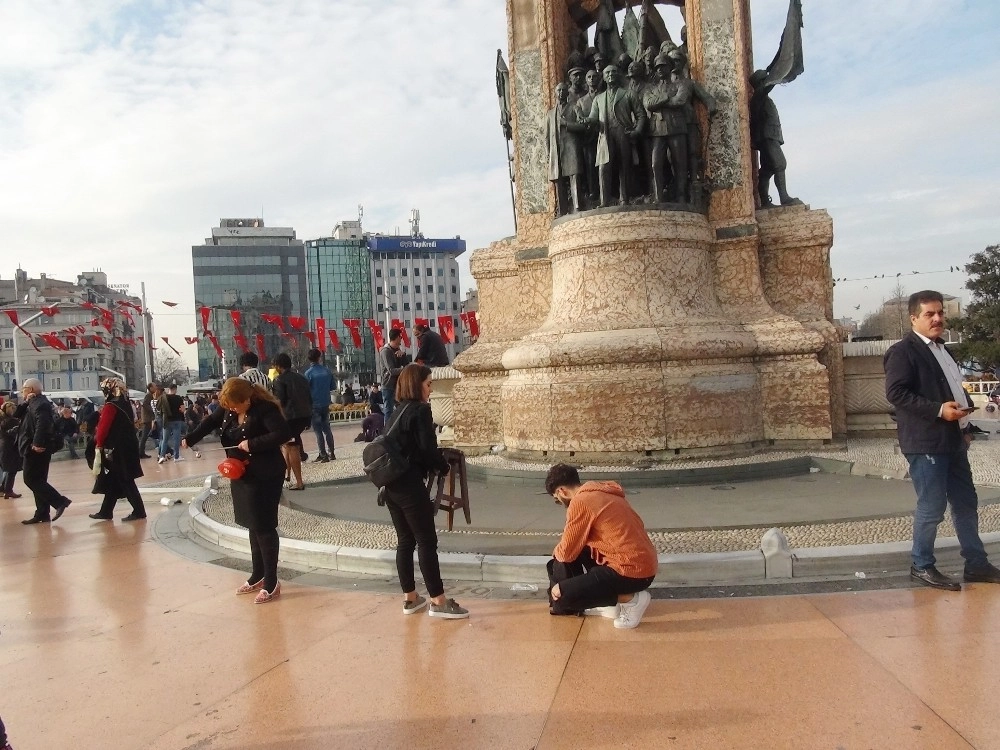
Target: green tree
(980, 326)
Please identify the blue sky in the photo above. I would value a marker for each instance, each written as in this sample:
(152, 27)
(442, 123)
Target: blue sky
(127, 129)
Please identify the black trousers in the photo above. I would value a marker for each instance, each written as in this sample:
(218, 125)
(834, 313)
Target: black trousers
(412, 515)
(131, 493)
(144, 435)
(584, 584)
(264, 556)
(36, 479)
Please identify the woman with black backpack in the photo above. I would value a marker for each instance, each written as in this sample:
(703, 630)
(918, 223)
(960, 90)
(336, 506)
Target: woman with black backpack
(408, 499)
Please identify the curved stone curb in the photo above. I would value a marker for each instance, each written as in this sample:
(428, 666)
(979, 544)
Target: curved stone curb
(780, 565)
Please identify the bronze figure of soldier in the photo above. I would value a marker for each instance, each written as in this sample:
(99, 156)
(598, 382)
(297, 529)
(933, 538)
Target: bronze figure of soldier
(766, 137)
(565, 155)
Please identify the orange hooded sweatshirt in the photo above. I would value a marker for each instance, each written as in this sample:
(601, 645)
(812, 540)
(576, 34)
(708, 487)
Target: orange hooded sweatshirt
(600, 517)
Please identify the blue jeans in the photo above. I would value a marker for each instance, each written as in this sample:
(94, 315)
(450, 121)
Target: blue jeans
(321, 426)
(171, 438)
(388, 402)
(939, 479)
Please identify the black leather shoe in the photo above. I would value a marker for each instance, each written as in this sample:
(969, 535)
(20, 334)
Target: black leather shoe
(61, 509)
(931, 577)
(988, 573)
(99, 517)
(134, 517)
(34, 519)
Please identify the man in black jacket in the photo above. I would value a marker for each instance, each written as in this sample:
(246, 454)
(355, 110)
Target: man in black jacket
(292, 390)
(33, 443)
(924, 384)
(430, 347)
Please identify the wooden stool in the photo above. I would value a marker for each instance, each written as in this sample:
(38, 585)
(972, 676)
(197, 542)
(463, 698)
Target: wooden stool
(450, 501)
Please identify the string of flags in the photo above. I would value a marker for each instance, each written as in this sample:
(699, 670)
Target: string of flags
(320, 336)
(950, 269)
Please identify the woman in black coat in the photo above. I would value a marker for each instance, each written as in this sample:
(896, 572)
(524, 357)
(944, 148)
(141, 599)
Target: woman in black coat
(253, 430)
(408, 500)
(10, 458)
(114, 440)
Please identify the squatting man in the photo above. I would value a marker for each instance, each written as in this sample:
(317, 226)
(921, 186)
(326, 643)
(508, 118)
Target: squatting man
(605, 562)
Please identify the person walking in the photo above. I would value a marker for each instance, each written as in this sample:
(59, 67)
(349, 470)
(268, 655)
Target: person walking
(923, 383)
(172, 416)
(250, 363)
(292, 392)
(34, 441)
(254, 431)
(10, 459)
(114, 440)
(320, 384)
(148, 417)
(408, 500)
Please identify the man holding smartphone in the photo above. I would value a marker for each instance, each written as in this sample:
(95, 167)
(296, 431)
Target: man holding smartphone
(924, 384)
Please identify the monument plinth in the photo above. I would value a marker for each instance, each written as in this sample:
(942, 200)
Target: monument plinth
(645, 329)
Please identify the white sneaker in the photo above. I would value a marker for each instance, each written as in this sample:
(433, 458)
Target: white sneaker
(161, 460)
(630, 614)
(180, 458)
(610, 613)
(197, 454)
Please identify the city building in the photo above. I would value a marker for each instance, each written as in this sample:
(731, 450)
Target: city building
(77, 344)
(374, 276)
(338, 277)
(251, 269)
(469, 305)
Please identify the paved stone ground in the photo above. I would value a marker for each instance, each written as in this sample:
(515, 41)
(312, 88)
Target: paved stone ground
(878, 454)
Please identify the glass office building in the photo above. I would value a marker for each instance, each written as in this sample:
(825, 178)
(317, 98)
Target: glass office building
(256, 270)
(338, 277)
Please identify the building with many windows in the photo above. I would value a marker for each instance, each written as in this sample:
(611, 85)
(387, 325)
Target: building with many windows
(82, 344)
(337, 273)
(253, 270)
(357, 274)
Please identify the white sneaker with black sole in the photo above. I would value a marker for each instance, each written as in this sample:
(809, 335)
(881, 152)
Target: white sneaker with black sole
(607, 612)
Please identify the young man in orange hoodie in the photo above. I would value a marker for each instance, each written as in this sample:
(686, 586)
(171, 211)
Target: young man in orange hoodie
(605, 562)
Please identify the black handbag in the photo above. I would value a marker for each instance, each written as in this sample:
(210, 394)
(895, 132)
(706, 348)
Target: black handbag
(383, 460)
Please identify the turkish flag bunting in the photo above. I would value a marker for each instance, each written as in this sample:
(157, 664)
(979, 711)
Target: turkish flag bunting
(321, 334)
(51, 310)
(296, 322)
(205, 312)
(260, 348)
(421, 322)
(54, 341)
(275, 319)
(215, 341)
(128, 342)
(87, 305)
(12, 314)
(191, 339)
(237, 317)
(473, 324)
(241, 342)
(334, 341)
(165, 341)
(128, 315)
(376, 330)
(108, 320)
(292, 338)
(354, 325)
(465, 320)
(140, 339)
(311, 336)
(397, 323)
(446, 325)
(133, 305)
(169, 304)
(100, 340)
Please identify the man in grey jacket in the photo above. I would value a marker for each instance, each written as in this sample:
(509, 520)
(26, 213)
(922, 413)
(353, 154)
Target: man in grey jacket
(391, 361)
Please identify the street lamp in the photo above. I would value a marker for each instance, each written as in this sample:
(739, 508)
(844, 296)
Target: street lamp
(17, 348)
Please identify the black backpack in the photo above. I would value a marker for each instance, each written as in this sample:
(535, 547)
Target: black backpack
(383, 460)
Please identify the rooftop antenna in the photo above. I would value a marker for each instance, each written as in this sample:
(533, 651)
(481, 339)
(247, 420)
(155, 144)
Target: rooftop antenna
(415, 222)
(361, 213)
